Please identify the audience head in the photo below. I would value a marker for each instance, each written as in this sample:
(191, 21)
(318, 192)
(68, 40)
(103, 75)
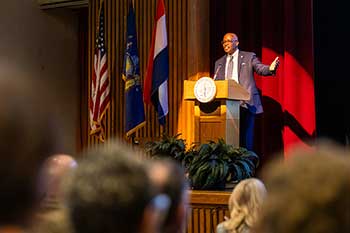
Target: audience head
(26, 139)
(53, 172)
(111, 192)
(309, 192)
(245, 204)
(55, 221)
(168, 177)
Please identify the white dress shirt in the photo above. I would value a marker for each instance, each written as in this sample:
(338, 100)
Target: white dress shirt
(234, 74)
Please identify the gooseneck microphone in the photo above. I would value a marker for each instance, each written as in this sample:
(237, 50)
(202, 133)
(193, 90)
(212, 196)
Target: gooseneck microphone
(217, 71)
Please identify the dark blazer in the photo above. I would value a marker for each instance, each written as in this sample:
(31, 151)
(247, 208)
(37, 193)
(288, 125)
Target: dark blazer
(247, 64)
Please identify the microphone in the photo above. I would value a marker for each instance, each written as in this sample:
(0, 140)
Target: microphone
(217, 71)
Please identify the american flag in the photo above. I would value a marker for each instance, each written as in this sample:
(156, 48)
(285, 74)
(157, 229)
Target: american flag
(100, 84)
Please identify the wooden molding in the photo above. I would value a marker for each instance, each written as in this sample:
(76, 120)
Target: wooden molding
(209, 197)
(49, 4)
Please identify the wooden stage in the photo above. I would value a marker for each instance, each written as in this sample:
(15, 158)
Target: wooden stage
(206, 210)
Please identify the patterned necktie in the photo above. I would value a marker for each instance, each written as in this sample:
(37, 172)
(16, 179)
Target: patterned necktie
(230, 68)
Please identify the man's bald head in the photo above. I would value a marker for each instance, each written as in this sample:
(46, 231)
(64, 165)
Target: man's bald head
(168, 177)
(54, 170)
(230, 43)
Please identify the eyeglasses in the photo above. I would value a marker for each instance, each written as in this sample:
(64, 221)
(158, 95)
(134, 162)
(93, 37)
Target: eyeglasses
(228, 41)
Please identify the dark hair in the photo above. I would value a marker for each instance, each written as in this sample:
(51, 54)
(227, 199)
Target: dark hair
(109, 192)
(174, 184)
(26, 139)
(308, 193)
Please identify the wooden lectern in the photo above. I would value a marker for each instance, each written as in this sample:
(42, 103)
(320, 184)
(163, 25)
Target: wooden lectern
(220, 117)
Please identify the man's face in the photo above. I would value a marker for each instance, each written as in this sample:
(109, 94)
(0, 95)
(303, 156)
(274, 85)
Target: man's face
(230, 43)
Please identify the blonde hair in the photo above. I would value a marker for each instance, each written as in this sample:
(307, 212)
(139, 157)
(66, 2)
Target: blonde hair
(244, 205)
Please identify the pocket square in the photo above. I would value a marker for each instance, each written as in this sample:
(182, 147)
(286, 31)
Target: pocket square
(243, 63)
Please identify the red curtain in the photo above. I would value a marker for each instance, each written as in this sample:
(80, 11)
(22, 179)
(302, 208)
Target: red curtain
(273, 28)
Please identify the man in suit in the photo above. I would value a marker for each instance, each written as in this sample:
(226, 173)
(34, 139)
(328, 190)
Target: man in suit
(240, 66)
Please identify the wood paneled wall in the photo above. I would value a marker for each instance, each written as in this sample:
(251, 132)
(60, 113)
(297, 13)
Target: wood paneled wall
(188, 42)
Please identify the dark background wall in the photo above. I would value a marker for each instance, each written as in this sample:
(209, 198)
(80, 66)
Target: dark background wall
(332, 79)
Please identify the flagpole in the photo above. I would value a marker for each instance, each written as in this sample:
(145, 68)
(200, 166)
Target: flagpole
(99, 10)
(163, 130)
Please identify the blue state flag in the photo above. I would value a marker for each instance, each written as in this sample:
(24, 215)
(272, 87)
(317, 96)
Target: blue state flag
(134, 109)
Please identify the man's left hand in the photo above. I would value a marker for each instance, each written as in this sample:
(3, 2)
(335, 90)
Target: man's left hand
(274, 65)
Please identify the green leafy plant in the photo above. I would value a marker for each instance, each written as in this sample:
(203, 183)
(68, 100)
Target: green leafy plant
(218, 163)
(209, 166)
(208, 169)
(169, 146)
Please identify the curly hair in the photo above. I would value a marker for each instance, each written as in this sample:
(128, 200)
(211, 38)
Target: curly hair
(244, 205)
